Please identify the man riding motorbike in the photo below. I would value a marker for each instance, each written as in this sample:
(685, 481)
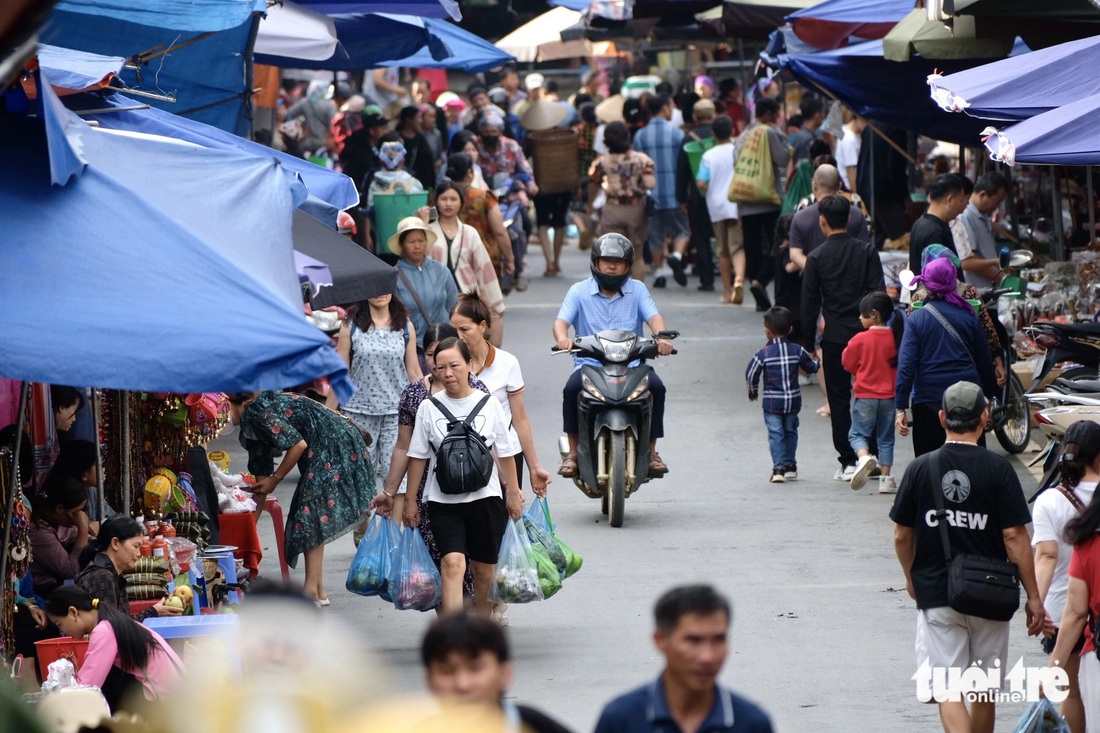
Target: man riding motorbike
(609, 300)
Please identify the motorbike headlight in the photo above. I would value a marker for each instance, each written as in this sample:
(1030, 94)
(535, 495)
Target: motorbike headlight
(639, 390)
(590, 388)
(617, 351)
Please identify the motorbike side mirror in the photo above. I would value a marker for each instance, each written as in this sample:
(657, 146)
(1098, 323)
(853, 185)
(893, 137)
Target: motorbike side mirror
(905, 277)
(1004, 258)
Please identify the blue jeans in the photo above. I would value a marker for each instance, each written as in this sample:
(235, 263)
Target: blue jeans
(782, 438)
(873, 417)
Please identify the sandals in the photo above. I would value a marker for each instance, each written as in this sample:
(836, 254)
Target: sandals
(568, 467)
(657, 467)
(738, 294)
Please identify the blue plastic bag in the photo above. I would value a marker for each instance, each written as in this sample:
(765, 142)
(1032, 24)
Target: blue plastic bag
(1042, 717)
(371, 565)
(414, 580)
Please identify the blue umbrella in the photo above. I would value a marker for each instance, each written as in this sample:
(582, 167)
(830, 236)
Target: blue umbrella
(195, 53)
(829, 24)
(366, 40)
(420, 8)
(1023, 86)
(69, 69)
(466, 52)
(1065, 135)
(159, 266)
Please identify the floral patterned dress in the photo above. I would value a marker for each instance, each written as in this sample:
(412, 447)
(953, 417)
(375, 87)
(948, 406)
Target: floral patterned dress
(336, 484)
(411, 398)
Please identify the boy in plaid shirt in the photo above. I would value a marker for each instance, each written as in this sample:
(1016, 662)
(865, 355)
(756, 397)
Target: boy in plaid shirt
(779, 362)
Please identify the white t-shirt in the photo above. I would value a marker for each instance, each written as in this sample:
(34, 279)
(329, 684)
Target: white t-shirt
(1050, 516)
(847, 153)
(716, 168)
(431, 427)
(503, 377)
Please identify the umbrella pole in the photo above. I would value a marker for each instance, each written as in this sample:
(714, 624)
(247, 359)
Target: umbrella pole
(17, 480)
(1059, 229)
(125, 437)
(98, 456)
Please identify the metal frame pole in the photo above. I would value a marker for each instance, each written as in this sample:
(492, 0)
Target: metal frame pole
(125, 437)
(96, 418)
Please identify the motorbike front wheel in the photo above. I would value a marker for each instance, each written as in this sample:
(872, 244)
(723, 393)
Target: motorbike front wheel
(615, 494)
(1014, 432)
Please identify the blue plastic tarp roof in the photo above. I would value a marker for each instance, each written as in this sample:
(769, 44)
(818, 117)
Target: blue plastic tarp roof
(1023, 86)
(209, 75)
(466, 52)
(1065, 135)
(329, 186)
(159, 266)
(69, 69)
(366, 40)
(829, 24)
(421, 8)
(578, 5)
(888, 91)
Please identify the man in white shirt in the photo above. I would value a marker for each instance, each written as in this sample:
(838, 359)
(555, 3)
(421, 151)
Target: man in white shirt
(973, 231)
(713, 180)
(847, 152)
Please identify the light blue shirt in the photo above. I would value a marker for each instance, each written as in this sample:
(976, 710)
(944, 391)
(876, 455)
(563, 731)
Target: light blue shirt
(589, 311)
(662, 142)
(436, 288)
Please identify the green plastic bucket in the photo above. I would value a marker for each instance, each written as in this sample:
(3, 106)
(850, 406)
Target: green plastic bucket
(389, 209)
(975, 304)
(1015, 283)
(695, 150)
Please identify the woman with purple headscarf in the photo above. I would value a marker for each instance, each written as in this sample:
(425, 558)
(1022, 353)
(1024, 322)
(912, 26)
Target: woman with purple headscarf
(937, 353)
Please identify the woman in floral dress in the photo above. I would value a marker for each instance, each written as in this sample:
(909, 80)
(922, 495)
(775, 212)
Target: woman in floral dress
(336, 478)
(411, 398)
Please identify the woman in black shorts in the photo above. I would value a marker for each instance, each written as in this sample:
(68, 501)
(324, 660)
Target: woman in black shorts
(467, 525)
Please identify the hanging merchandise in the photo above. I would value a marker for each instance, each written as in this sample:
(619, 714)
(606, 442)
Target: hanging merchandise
(18, 548)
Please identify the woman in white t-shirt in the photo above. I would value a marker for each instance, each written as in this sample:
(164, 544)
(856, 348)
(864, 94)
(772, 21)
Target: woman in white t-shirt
(500, 372)
(1054, 509)
(471, 524)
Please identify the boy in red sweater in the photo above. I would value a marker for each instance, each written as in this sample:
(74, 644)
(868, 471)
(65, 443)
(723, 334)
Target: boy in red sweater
(872, 357)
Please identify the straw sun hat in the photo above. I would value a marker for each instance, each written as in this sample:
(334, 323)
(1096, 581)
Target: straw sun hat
(545, 114)
(408, 224)
(611, 109)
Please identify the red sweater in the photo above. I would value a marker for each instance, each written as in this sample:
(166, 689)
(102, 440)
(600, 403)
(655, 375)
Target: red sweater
(868, 356)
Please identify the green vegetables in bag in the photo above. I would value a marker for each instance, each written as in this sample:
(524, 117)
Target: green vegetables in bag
(546, 541)
(549, 577)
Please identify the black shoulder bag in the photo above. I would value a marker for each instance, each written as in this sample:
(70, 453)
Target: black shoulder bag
(976, 586)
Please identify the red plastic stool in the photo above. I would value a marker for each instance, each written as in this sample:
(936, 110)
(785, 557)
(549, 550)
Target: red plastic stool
(271, 506)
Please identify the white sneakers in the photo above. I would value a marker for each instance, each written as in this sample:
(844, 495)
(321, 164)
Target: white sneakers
(863, 470)
(844, 473)
(886, 485)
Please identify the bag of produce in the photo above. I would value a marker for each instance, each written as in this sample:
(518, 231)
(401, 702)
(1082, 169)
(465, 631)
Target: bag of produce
(414, 580)
(540, 538)
(549, 577)
(517, 575)
(573, 561)
(367, 575)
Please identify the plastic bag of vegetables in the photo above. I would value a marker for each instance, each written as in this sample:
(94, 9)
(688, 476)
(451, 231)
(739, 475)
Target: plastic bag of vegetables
(539, 514)
(517, 574)
(549, 577)
(414, 580)
(545, 541)
(367, 574)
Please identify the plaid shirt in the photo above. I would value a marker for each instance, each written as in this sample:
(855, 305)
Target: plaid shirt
(662, 142)
(779, 361)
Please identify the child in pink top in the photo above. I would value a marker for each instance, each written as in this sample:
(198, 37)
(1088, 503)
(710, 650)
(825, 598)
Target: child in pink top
(872, 357)
(121, 652)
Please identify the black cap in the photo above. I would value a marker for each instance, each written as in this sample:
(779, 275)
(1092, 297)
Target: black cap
(1085, 436)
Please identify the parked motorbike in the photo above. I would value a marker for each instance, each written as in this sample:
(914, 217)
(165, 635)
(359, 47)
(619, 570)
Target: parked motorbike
(615, 412)
(1079, 400)
(1010, 414)
(1072, 351)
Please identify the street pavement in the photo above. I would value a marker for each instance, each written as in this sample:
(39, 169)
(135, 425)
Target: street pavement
(823, 630)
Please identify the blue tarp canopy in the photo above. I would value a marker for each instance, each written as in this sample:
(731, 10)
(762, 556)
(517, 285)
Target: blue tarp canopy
(69, 69)
(198, 51)
(420, 8)
(159, 265)
(466, 52)
(578, 5)
(829, 24)
(1063, 136)
(1023, 86)
(366, 40)
(122, 113)
(892, 92)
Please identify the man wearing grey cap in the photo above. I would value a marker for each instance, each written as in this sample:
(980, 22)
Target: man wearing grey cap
(985, 514)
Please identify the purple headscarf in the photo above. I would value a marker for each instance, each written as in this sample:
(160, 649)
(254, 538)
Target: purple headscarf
(940, 279)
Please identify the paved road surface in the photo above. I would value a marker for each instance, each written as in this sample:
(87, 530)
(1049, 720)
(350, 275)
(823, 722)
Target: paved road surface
(823, 630)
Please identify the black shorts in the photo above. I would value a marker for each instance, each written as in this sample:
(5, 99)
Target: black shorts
(552, 208)
(474, 529)
(1048, 644)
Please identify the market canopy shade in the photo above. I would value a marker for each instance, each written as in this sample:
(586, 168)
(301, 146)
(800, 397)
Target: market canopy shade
(292, 30)
(77, 70)
(748, 18)
(1065, 135)
(1040, 24)
(465, 51)
(367, 40)
(1023, 86)
(540, 39)
(356, 273)
(830, 23)
(420, 8)
(123, 278)
(934, 40)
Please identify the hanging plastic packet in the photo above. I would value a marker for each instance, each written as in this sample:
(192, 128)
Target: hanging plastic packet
(367, 575)
(541, 538)
(573, 560)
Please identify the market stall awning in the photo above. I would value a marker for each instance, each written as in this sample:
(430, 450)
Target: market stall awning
(1062, 136)
(160, 266)
(748, 18)
(193, 57)
(297, 32)
(77, 70)
(1040, 24)
(356, 273)
(367, 40)
(830, 23)
(930, 39)
(465, 51)
(420, 8)
(1023, 86)
(887, 91)
(541, 40)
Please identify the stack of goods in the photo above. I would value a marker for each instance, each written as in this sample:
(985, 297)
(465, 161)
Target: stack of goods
(148, 581)
(234, 496)
(192, 525)
(165, 492)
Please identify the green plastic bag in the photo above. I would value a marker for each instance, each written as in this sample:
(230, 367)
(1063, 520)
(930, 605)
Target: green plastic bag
(573, 560)
(549, 577)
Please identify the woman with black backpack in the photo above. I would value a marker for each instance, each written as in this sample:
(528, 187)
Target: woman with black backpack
(454, 438)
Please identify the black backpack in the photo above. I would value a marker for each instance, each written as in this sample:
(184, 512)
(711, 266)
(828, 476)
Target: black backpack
(463, 461)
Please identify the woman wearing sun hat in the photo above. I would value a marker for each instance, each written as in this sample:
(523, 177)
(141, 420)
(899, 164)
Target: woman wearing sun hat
(424, 286)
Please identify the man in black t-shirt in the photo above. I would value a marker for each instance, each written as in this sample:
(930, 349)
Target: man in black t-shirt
(467, 661)
(948, 195)
(986, 515)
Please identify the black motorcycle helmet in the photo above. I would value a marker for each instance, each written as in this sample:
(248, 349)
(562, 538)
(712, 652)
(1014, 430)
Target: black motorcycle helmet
(615, 247)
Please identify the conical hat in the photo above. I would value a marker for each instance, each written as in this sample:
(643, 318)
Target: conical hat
(611, 109)
(543, 115)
